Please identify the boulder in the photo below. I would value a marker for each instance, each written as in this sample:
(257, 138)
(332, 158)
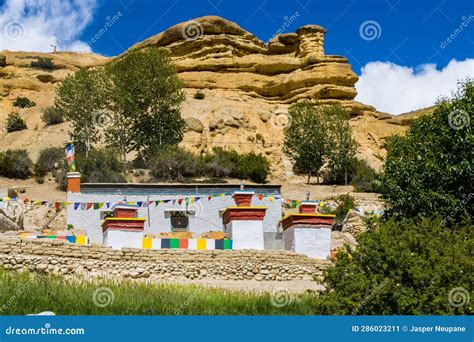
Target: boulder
(11, 216)
(194, 124)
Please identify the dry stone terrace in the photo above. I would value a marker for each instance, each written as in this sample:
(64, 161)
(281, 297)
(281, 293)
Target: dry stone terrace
(93, 261)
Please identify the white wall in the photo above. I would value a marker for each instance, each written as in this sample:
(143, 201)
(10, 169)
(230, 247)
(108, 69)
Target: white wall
(246, 234)
(206, 218)
(123, 238)
(312, 241)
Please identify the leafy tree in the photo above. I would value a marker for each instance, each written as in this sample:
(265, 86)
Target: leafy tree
(15, 123)
(145, 99)
(343, 147)
(409, 267)
(306, 140)
(316, 135)
(80, 98)
(430, 169)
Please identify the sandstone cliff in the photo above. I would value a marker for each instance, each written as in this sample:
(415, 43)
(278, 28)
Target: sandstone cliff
(247, 85)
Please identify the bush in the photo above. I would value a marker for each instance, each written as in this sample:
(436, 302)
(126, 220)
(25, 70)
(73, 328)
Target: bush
(199, 95)
(254, 167)
(15, 123)
(429, 170)
(23, 102)
(49, 159)
(223, 163)
(174, 164)
(43, 63)
(52, 116)
(344, 204)
(100, 166)
(363, 177)
(404, 267)
(15, 164)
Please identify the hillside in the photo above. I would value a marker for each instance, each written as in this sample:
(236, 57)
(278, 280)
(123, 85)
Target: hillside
(248, 87)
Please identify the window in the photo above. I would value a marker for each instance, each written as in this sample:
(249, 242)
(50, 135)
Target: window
(179, 221)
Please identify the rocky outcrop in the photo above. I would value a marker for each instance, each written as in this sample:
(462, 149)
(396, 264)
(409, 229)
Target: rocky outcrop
(11, 216)
(213, 53)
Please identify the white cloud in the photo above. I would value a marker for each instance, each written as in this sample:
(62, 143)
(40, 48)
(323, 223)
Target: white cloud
(33, 25)
(398, 89)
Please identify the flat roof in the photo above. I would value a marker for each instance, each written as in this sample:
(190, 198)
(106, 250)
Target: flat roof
(175, 188)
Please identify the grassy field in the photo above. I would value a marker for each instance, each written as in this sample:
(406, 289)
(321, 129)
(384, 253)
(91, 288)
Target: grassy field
(22, 293)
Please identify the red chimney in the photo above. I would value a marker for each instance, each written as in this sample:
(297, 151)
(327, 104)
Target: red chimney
(308, 207)
(243, 198)
(73, 182)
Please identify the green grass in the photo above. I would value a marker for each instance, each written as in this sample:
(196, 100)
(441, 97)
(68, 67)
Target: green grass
(23, 293)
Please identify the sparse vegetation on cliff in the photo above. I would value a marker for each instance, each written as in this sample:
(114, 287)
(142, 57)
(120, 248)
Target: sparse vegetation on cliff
(15, 123)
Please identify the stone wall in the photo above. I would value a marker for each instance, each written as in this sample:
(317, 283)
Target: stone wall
(91, 261)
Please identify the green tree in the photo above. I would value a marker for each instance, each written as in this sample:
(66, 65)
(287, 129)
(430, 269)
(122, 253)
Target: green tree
(317, 135)
(306, 140)
(80, 98)
(411, 267)
(430, 169)
(342, 147)
(145, 97)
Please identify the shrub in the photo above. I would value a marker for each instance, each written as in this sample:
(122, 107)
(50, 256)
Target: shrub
(344, 204)
(407, 267)
(363, 177)
(43, 63)
(430, 169)
(199, 95)
(15, 164)
(15, 123)
(23, 102)
(253, 166)
(49, 160)
(52, 116)
(3, 61)
(174, 164)
(99, 166)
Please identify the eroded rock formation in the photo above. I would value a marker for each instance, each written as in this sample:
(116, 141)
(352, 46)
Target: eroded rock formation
(213, 53)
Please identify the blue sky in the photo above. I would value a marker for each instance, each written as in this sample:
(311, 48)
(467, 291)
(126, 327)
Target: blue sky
(408, 41)
(411, 31)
